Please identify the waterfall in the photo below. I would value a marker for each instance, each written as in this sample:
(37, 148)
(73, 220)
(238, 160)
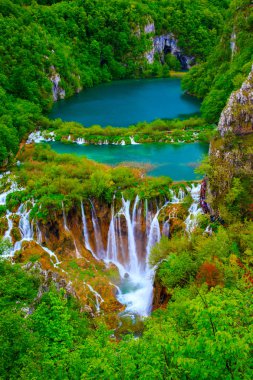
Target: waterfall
(98, 297)
(51, 254)
(7, 234)
(133, 264)
(78, 254)
(134, 208)
(177, 198)
(25, 227)
(86, 233)
(132, 141)
(3, 197)
(134, 214)
(112, 251)
(80, 141)
(121, 243)
(116, 287)
(154, 234)
(64, 218)
(148, 217)
(100, 252)
(14, 187)
(191, 221)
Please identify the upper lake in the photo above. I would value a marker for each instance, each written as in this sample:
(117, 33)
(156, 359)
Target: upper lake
(127, 102)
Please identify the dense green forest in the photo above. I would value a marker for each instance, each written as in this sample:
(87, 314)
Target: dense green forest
(202, 325)
(228, 63)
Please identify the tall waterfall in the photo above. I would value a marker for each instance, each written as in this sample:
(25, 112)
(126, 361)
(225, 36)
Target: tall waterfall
(133, 231)
(194, 210)
(134, 228)
(154, 235)
(133, 262)
(7, 234)
(86, 233)
(97, 231)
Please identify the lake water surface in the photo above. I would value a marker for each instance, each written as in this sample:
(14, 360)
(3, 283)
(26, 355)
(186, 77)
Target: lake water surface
(174, 160)
(126, 102)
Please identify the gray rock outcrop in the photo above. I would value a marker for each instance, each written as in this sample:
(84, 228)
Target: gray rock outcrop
(165, 44)
(237, 116)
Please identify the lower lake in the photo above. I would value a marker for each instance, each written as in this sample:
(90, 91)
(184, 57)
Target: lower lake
(176, 161)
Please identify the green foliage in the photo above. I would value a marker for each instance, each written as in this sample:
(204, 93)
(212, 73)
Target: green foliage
(224, 69)
(177, 270)
(188, 130)
(2, 210)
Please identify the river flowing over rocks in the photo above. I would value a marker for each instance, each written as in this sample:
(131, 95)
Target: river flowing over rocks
(123, 236)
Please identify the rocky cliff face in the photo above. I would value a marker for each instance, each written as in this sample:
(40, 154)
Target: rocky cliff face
(237, 117)
(230, 153)
(166, 44)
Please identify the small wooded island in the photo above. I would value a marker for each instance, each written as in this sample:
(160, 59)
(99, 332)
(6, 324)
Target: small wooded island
(126, 232)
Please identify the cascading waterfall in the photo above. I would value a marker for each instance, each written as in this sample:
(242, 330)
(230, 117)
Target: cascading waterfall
(78, 254)
(25, 227)
(111, 252)
(133, 231)
(132, 141)
(194, 210)
(97, 231)
(137, 199)
(136, 289)
(98, 297)
(148, 214)
(7, 234)
(86, 233)
(154, 234)
(133, 265)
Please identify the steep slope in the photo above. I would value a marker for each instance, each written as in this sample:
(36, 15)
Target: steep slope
(231, 158)
(237, 117)
(227, 65)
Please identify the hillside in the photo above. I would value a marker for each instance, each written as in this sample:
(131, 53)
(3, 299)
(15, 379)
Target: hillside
(106, 272)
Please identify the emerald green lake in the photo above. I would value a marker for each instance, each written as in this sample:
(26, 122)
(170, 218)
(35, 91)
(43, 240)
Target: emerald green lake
(174, 160)
(122, 103)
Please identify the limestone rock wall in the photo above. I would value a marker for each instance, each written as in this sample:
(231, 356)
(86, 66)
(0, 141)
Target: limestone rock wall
(165, 44)
(237, 116)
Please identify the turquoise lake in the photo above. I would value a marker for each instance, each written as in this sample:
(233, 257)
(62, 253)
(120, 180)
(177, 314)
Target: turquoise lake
(126, 102)
(174, 160)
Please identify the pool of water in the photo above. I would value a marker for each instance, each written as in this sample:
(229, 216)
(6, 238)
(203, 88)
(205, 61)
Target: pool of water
(122, 103)
(177, 161)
